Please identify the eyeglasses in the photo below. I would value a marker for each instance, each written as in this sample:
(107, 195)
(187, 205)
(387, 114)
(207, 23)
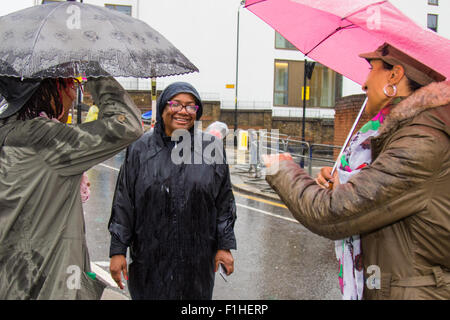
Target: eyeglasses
(177, 107)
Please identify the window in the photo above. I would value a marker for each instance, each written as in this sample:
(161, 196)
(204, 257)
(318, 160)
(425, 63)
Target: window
(281, 83)
(433, 2)
(282, 43)
(432, 22)
(288, 84)
(322, 86)
(120, 8)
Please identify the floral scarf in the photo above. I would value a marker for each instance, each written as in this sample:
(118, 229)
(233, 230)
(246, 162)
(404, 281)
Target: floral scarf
(356, 156)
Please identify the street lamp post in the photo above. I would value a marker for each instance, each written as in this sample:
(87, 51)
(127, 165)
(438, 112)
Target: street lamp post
(79, 100)
(307, 74)
(237, 68)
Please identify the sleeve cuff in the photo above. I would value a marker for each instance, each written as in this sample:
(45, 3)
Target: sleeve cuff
(117, 247)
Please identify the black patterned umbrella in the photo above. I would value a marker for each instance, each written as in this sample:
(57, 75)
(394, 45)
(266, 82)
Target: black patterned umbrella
(65, 39)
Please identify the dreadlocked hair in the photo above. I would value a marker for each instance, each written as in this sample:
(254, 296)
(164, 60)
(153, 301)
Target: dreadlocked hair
(41, 100)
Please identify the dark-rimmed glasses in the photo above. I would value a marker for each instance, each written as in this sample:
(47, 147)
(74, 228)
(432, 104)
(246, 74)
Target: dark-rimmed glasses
(175, 106)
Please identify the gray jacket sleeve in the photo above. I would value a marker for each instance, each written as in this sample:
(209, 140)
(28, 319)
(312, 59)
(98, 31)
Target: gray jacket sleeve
(71, 150)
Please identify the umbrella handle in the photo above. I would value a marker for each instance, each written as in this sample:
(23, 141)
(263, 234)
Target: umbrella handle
(349, 136)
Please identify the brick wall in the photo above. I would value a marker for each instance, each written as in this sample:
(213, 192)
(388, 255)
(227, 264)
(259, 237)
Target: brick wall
(211, 112)
(142, 98)
(346, 110)
(323, 131)
(247, 119)
(316, 130)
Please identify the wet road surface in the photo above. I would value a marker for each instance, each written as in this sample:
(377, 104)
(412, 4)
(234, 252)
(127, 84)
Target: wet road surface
(276, 257)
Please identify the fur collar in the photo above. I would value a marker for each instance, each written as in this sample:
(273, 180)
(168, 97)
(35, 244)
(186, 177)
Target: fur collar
(434, 95)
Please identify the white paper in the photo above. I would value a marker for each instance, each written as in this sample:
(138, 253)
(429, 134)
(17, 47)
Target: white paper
(222, 272)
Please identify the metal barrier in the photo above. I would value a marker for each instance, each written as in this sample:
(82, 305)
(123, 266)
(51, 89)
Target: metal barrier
(321, 155)
(262, 142)
(299, 150)
(305, 154)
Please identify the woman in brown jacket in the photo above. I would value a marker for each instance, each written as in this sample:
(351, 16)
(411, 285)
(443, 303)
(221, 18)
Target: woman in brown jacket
(399, 203)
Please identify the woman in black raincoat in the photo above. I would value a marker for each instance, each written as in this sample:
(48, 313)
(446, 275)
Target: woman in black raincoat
(176, 216)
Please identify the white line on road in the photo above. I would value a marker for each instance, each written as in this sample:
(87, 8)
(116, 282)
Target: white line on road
(109, 167)
(238, 204)
(266, 213)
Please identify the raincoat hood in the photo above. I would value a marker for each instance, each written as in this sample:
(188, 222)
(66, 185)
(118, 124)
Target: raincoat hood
(14, 93)
(171, 91)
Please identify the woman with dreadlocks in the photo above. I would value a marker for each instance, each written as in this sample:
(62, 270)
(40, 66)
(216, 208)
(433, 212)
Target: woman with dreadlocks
(43, 253)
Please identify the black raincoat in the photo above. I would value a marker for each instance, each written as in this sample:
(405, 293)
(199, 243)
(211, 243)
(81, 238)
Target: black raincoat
(174, 217)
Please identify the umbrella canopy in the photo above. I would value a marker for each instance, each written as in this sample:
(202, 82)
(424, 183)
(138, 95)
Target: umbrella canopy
(65, 39)
(334, 32)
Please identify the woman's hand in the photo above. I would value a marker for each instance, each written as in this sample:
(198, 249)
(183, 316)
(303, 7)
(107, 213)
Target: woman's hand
(226, 258)
(272, 161)
(117, 266)
(325, 180)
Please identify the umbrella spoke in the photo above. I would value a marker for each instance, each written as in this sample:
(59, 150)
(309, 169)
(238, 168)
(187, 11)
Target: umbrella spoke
(37, 34)
(330, 35)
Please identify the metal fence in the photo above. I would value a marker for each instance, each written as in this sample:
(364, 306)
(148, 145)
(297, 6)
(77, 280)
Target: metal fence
(308, 155)
(283, 112)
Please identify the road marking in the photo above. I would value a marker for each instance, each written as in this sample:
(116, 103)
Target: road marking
(266, 213)
(109, 167)
(260, 200)
(105, 276)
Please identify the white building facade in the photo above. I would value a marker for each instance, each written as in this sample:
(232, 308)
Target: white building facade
(269, 73)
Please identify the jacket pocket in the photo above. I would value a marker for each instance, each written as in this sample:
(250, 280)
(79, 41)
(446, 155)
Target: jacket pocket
(90, 289)
(385, 290)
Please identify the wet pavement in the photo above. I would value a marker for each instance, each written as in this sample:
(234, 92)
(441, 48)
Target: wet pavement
(277, 258)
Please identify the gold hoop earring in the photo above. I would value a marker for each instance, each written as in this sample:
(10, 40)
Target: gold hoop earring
(394, 90)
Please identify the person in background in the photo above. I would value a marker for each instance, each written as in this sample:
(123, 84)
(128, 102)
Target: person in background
(85, 190)
(43, 252)
(177, 217)
(254, 153)
(92, 114)
(396, 196)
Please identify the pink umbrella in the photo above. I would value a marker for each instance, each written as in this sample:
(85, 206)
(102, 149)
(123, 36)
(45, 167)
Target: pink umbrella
(334, 32)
